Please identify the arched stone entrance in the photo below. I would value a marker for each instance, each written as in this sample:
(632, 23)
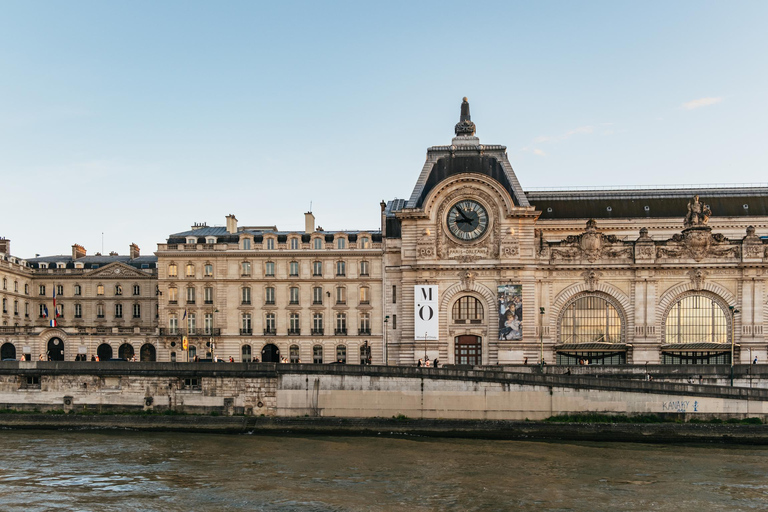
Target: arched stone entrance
(468, 350)
(148, 352)
(104, 352)
(56, 349)
(7, 351)
(270, 354)
(125, 351)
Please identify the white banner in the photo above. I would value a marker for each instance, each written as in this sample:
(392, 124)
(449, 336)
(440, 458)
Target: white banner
(426, 325)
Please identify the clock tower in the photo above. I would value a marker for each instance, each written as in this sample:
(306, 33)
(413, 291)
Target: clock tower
(467, 234)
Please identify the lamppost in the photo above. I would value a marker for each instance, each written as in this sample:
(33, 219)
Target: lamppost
(734, 310)
(425, 347)
(386, 356)
(213, 335)
(541, 335)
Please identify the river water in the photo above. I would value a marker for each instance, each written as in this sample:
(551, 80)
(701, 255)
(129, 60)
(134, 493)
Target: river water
(116, 470)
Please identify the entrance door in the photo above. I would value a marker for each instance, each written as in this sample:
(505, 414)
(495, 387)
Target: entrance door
(8, 351)
(56, 349)
(147, 352)
(468, 350)
(104, 352)
(270, 354)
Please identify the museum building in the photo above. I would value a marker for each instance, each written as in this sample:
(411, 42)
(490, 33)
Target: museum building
(471, 269)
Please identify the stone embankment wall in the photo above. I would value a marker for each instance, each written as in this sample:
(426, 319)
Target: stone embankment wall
(286, 390)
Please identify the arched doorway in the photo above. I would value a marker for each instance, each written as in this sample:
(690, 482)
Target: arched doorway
(270, 354)
(104, 352)
(148, 352)
(125, 351)
(7, 351)
(56, 349)
(468, 350)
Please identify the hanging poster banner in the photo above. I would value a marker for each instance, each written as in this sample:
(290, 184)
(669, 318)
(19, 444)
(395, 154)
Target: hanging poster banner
(425, 323)
(510, 312)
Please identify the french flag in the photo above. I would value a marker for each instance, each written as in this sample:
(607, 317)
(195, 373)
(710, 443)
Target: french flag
(55, 311)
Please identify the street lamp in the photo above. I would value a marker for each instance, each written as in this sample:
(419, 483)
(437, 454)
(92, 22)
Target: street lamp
(386, 356)
(425, 347)
(541, 334)
(734, 310)
(213, 334)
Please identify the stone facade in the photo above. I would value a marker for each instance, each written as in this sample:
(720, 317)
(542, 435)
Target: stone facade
(565, 276)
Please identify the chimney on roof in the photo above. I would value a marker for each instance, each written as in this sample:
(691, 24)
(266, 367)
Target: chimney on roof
(134, 251)
(309, 222)
(231, 224)
(78, 251)
(113, 253)
(5, 246)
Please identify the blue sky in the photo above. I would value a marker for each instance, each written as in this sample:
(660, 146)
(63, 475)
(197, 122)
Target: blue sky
(137, 119)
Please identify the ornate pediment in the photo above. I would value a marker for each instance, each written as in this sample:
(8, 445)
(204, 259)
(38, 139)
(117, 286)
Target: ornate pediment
(591, 245)
(117, 270)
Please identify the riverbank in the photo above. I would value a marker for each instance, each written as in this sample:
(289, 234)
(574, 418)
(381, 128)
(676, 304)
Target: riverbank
(665, 432)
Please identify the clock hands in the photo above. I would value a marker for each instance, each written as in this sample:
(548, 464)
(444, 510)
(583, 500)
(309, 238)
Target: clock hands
(461, 212)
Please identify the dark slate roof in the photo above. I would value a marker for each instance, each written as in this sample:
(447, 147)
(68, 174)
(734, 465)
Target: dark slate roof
(478, 162)
(647, 203)
(221, 234)
(94, 261)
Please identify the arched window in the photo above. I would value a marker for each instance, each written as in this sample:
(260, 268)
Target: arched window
(245, 352)
(173, 270)
(590, 319)
(341, 354)
(294, 353)
(245, 268)
(294, 324)
(696, 318)
(246, 295)
(468, 310)
(365, 296)
(341, 243)
(294, 243)
(190, 270)
(208, 270)
(317, 243)
(317, 267)
(317, 354)
(269, 295)
(293, 267)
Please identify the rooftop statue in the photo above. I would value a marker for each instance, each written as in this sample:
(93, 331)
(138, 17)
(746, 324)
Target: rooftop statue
(698, 213)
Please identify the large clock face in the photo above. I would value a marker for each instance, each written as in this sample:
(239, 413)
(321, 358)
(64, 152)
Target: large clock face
(467, 220)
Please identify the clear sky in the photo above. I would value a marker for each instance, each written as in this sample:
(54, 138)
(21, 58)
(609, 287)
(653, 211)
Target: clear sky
(138, 118)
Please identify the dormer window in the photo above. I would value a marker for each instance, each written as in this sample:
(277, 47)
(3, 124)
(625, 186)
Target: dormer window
(270, 243)
(79, 265)
(118, 289)
(61, 265)
(191, 240)
(43, 265)
(365, 243)
(341, 243)
(247, 244)
(294, 243)
(317, 243)
(210, 240)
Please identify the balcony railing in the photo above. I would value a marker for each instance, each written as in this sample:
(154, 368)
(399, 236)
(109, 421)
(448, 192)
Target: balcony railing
(362, 332)
(245, 303)
(270, 332)
(317, 332)
(246, 332)
(340, 332)
(294, 332)
(269, 302)
(317, 303)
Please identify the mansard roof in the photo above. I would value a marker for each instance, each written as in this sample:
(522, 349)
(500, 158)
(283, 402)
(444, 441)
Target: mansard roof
(648, 203)
(94, 261)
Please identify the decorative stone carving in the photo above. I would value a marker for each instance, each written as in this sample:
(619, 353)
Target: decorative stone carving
(425, 245)
(591, 278)
(117, 270)
(590, 245)
(510, 246)
(697, 278)
(645, 249)
(467, 279)
(698, 213)
(697, 241)
(465, 126)
(752, 245)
